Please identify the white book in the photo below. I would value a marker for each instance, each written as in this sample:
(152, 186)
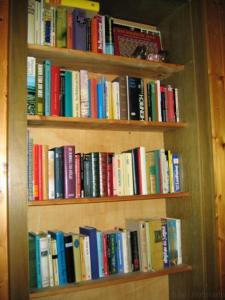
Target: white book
(51, 176)
(115, 180)
(177, 112)
(148, 248)
(44, 253)
(108, 98)
(87, 257)
(76, 93)
(158, 97)
(125, 247)
(116, 100)
(179, 247)
(53, 35)
(84, 101)
(143, 171)
(31, 21)
(103, 34)
(37, 22)
(51, 278)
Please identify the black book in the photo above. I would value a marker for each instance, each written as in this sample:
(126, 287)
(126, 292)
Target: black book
(68, 244)
(149, 101)
(95, 175)
(134, 251)
(87, 175)
(135, 98)
(163, 103)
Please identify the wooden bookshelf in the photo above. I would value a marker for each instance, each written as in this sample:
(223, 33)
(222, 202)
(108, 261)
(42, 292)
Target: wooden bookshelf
(109, 281)
(107, 64)
(90, 123)
(106, 199)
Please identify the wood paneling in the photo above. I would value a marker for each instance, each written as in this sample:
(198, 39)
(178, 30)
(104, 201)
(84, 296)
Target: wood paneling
(215, 39)
(3, 149)
(17, 206)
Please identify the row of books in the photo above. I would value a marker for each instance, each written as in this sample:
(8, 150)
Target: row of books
(60, 172)
(55, 91)
(82, 29)
(57, 258)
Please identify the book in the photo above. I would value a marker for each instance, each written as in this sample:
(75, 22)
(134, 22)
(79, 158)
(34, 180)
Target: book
(61, 27)
(32, 261)
(31, 22)
(176, 172)
(68, 105)
(58, 236)
(39, 89)
(79, 29)
(54, 105)
(31, 85)
(51, 174)
(55, 265)
(135, 98)
(92, 234)
(155, 234)
(58, 172)
(68, 244)
(34, 242)
(99, 235)
(47, 85)
(85, 257)
(69, 171)
(174, 241)
(77, 256)
(84, 4)
(44, 260)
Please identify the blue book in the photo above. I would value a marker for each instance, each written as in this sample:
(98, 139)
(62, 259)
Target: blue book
(172, 242)
(36, 239)
(100, 254)
(176, 172)
(68, 110)
(91, 232)
(119, 252)
(79, 29)
(100, 99)
(47, 87)
(59, 237)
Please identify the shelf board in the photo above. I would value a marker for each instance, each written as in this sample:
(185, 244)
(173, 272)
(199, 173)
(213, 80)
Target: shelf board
(104, 63)
(90, 123)
(109, 281)
(106, 199)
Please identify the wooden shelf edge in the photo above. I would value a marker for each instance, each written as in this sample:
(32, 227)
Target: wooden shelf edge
(90, 123)
(107, 63)
(106, 199)
(112, 280)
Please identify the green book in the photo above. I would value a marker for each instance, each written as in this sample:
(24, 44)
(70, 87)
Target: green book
(32, 262)
(61, 27)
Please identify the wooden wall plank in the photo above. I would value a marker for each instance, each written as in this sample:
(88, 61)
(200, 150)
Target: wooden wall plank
(215, 40)
(3, 149)
(17, 210)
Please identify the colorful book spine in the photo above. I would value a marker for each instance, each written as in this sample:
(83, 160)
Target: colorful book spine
(176, 173)
(84, 103)
(100, 254)
(31, 85)
(58, 172)
(79, 29)
(69, 171)
(55, 106)
(47, 85)
(61, 27)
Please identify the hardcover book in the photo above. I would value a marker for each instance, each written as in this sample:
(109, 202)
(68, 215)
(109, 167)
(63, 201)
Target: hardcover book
(79, 29)
(69, 171)
(68, 244)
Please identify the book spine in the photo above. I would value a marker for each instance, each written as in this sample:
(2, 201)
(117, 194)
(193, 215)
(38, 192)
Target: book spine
(83, 4)
(95, 185)
(119, 253)
(68, 244)
(38, 262)
(176, 173)
(68, 94)
(69, 171)
(61, 27)
(35, 172)
(30, 25)
(158, 101)
(176, 101)
(40, 173)
(112, 258)
(50, 263)
(30, 167)
(77, 175)
(84, 93)
(165, 244)
(44, 252)
(58, 172)
(100, 254)
(31, 84)
(61, 258)
(69, 41)
(55, 262)
(51, 175)
(134, 251)
(105, 254)
(79, 29)
(39, 90)
(109, 173)
(77, 257)
(63, 93)
(45, 171)
(76, 93)
(87, 258)
(47, 24)
(55, 107)
(47, 84)
(103, 174)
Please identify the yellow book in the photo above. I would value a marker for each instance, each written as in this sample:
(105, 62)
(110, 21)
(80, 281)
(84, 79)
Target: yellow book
(45, 171)
(155, 235)
(83, 4)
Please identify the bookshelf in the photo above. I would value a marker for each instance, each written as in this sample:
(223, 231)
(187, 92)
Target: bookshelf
(186, 138)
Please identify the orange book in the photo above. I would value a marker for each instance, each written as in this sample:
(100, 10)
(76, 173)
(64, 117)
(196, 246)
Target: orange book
(40, 173)
(94, 110)
(69, 29)
(94, 35)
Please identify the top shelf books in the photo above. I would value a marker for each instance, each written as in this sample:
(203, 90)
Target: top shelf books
(75, 37)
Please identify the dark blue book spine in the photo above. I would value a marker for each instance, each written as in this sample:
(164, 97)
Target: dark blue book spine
(119, 252)
(68, 94)
(59, 183)
(91, 232)
(62, 93)
(79, 29)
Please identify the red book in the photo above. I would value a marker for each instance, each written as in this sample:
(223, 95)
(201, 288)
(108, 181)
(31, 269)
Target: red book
(69, 29)
(170, 104)
(94, 109)
(35, 172)
(105, 256)
(94, 34)
(103, 173)
(40, 173)
(77, 176)
(109, 171)
(55, 88)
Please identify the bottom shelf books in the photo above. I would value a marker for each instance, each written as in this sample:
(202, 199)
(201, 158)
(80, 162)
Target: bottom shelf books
(57, 258)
